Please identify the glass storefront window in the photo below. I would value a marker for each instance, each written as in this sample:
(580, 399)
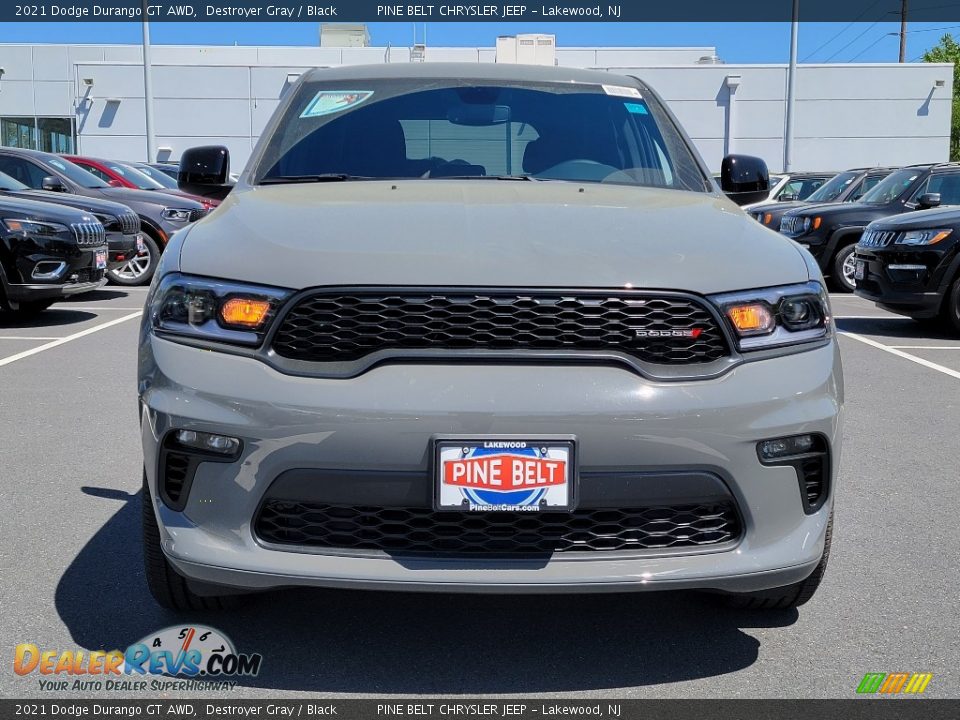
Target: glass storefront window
(50, 134)
(56, 134)
(18, 132)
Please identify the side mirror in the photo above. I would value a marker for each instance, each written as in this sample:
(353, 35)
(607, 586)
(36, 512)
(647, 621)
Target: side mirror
(52, 183)
(205, 171)
(928, 200)
(115, 183)
(744, 179)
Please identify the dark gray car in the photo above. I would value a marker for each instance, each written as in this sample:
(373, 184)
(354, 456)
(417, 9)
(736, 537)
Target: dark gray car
(160, 215)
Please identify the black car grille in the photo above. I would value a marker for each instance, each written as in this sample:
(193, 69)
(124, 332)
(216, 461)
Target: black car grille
(176, 469)
(791, 225)
(877, 238)
(198, 213)
(328, 327)
(412, 530)
(89, 234)
(129, 223)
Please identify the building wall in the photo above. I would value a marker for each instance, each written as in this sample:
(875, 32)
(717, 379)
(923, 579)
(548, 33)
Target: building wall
(846, 115)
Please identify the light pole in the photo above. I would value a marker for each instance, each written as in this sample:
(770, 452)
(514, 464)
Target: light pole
(903, 31)
(148, 89)
(791, 89)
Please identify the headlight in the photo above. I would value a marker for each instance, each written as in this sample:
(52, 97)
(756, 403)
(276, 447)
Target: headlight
(33, 227)
(777, 316)
(208, 309)
(175, 215)
(922, 237)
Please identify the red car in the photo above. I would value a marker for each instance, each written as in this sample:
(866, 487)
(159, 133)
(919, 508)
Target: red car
(120, 174)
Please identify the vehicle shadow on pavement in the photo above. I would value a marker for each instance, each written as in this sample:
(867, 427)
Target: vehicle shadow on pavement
(48, 318)
(903, 328)
(326, 641)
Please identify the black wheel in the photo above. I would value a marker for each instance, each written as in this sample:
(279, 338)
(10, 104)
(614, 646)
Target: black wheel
(951, 307)
(31, 308)
(790, 596)
(139, 269)
(843, 268)
(168, 587)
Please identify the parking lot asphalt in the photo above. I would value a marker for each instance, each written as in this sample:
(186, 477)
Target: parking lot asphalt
(72, 579)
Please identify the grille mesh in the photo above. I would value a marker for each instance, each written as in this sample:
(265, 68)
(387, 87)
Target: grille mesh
(90, 234)
(129, 223)
(877, 238)
(658, 329)
(410, 530)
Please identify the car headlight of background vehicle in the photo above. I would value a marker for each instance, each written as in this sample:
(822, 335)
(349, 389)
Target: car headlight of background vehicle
(922, 237)
(175, 215)
(777, 316)
(34, 227)
(216, 310)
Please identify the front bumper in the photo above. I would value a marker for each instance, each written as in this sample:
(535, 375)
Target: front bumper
(122, 247)
(383, 421)
(906, 282)
(72, 271)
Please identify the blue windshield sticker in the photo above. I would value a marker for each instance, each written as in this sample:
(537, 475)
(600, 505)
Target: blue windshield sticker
(636, 108)
(327, 102)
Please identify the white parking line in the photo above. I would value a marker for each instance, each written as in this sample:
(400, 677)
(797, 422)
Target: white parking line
(902, 354)
(68, 338)
(26, 337)
(94, 307)
(924, 347)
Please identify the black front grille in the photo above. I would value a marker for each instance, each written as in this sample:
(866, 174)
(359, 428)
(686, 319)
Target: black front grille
(176, 469)
(331, 327)
(413, 531)
(130, 223)
(813, 475)
(197, 214)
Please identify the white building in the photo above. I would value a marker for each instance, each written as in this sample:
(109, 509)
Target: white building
(90, 99)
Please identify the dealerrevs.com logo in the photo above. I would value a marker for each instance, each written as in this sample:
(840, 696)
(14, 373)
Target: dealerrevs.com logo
(180, 657)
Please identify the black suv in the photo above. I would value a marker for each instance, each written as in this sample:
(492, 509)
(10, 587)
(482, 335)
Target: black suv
(910, 264)
(830, 232)
(47, 252)
(160, 214)
(121, 224)
(848, 186)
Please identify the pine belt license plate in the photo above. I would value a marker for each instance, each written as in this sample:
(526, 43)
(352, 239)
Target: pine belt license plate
(101, 259)
(505, 474)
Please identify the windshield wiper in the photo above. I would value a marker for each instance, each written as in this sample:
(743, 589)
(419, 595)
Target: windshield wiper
(322, 177)
(528, 178)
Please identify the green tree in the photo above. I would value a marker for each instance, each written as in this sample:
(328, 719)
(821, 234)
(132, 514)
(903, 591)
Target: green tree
(948, 51)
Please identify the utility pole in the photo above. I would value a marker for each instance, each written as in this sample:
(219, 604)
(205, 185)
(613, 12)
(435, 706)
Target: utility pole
(148, 89)
(791, 89)
(903, 30)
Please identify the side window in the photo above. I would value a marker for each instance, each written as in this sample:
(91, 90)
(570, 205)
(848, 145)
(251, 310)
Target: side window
(946, 184)
(22, 170)
(868, 184)
(859, 191)
(95, 171)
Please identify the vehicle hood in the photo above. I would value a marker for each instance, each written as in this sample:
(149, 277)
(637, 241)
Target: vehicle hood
(948, 216)
(777, 206)
(853, 213)
(487, 233)
(81, 202)
(155, 197)
(21, 208)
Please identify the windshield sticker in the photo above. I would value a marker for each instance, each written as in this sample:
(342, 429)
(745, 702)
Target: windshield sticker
(636, 108)
(328, 102)
(57, 164)
(621, 91)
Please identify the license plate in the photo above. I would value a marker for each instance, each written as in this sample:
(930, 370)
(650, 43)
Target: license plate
(140, 244)
(101, 259)
(497, 474)
(860, 270)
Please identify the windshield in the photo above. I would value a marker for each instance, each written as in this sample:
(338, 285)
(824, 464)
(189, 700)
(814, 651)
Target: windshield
(161, 178)
(833, 188)
(439, 129)
(72, 172)
(135, 176)
(891, 187)
(8, 183)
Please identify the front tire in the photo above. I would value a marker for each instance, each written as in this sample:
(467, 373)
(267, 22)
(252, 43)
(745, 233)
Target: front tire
(951, 306)
(167, 586)
(139, 269)
(843, 270)
(790, 596)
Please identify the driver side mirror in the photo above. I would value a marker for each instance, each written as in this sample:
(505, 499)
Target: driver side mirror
(115, 183)
(744, 179)
(205, 171)
(928, 200)
(52, 183)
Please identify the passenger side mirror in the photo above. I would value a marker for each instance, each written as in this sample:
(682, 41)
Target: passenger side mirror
(205, 171)
(52, 183)
(928, 200)
(744, 179)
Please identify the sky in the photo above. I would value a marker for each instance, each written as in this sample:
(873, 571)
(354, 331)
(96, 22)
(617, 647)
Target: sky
(735, 42)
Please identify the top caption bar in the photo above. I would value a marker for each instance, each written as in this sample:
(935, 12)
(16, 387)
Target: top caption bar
(740, 11)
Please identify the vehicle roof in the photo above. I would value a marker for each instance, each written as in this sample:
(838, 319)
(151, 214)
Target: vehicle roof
(874, 168)
(467, 71)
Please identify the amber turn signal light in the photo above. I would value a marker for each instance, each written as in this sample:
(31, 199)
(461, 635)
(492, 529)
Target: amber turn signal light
(245, 312)
(751, 319)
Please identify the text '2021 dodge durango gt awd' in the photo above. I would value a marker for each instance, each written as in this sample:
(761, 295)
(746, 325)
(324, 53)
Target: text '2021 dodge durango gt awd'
(487, 329)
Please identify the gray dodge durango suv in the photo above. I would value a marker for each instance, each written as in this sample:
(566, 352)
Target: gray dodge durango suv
(484, 328)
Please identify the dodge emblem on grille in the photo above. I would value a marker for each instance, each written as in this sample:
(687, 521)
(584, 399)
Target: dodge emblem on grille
(692, 334)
